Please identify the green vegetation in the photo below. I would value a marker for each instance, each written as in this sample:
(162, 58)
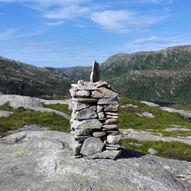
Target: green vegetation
(60, 107)
(174, 150)
(186, 107)
(129, 119)
(162, 76)
(22, 79)
(21, 117)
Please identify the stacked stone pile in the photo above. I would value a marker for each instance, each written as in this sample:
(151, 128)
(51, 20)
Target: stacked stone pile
(94, 120)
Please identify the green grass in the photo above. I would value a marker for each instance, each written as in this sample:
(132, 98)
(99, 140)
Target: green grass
(174, 150)
(129, 119)
(21, 117)
(186, 107)
(60, 107)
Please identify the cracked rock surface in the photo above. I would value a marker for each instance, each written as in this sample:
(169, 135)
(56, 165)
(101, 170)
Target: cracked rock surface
(42, 160)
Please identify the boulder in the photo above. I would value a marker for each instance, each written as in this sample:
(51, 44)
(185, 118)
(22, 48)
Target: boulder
(92, 146)
(43, 161)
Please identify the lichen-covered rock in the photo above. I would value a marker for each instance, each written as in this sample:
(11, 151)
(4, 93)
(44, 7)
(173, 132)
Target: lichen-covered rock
(85, 114)
(82, 93)
(91, 146)
(108, 101)
(99, 134)
(40, 162)
(114, 154)
(76, 106)
(87, 124)
(113, 138)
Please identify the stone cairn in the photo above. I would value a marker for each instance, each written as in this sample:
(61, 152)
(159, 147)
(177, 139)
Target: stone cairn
(94, 118)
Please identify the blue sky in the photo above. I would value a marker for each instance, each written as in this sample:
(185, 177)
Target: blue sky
(64, 33)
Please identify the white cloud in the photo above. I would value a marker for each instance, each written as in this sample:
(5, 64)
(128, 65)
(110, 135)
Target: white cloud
(56, 23)
(156, 43)
(7, 34)
(68, 12)
(123, 21)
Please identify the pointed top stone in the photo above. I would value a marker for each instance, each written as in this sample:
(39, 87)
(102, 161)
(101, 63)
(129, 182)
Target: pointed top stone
(95, 75)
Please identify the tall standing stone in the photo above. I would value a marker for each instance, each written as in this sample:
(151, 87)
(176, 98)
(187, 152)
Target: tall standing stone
(95, 75)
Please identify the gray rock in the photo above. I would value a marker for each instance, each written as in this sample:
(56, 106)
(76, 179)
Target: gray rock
(85, 114)
(99, 108)
(76, 106)
(76, 147)
(82, 132)
(92, 146)
(82, 93)
(16, 101)
(111, 148)
(110, 126)
(108, 101)
(85, 86)
(99, 134)
(101, 115)
(97, 94)
(108, 154)
(81, 138)
(112, 117)
(111, 121)
(113, 138)
(41, 162)
(112, 108)
(107, 92)
(5, 113)
(100, 84)
(112, 113)
(95, 75)
(86, 100)
(73, 91)
(146, 114)
(152, 151)
(87, 124)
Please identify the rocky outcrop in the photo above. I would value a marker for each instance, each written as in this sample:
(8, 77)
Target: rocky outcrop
(31, 103)
(42, 160)
(94, 119)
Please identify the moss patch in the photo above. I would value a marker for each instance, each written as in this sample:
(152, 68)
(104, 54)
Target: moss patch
(174, 150)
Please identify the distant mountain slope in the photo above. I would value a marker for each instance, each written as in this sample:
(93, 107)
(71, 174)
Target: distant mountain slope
(23, 79)
(156, 75)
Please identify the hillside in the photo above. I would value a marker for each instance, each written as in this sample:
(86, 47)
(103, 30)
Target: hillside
(163, 76)
(23, 79)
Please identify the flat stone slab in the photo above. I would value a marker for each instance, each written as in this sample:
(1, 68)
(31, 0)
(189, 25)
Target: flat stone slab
(87, 124)
(85, 114)
(108, 154)
(108, 101)
(82, 93)
(79, 106)
(92, 146)
(87, 100)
